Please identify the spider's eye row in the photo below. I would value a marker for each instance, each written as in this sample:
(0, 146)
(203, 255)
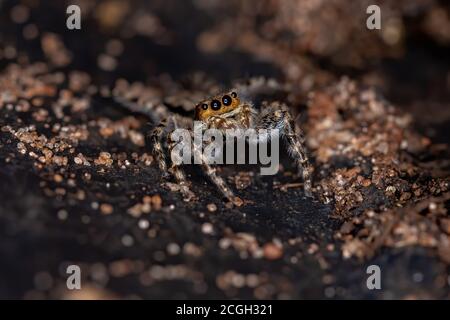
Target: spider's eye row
(215, 105)
(204, 106)
(226, 100)
(234, 94)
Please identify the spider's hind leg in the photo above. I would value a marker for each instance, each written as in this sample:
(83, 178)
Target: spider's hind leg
(282, 120)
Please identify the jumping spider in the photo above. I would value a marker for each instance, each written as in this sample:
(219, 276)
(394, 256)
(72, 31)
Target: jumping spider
(222, 112)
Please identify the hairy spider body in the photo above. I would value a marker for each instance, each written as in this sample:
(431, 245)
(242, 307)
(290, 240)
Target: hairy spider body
(227, 111)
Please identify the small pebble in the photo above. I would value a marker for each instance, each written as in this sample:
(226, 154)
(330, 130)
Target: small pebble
(62, 214)
(272, 251)
(106, 208)
(313, 248)
(127, 240)
(207, 228)
(211, 207)
(143, 224)
(173, 249)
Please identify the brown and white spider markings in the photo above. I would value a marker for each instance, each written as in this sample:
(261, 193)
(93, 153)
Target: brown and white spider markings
(227, 111)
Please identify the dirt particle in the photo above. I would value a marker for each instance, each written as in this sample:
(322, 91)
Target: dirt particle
(347, 227)
(272, 251)
(156, 202)
(104, 158)
(106, 208)
(127, 240)
(57, 178)
(238, 201)
(445, 225)
(313, 248)
(173, 249)
(211, 207)
(143, 224)
(207, 228)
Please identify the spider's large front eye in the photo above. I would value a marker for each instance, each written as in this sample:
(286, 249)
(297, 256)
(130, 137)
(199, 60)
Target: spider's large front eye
(226, 100)
(215, 105)
(204, 106)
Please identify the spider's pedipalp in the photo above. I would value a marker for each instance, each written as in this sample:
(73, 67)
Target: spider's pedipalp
(246, 116)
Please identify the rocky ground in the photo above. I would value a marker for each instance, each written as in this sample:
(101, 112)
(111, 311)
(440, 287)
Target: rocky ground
(79, 184)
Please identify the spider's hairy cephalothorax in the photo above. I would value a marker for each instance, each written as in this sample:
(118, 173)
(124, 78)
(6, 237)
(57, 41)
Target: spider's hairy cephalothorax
(227, 111)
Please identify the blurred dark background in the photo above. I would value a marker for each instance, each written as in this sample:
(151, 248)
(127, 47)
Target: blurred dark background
(312, 42)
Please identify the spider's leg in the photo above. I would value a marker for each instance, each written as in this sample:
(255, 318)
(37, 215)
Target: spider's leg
(180, 176)
(246, 117)
(156, 137)
(296, 148)
(281, 119)
(216, 179)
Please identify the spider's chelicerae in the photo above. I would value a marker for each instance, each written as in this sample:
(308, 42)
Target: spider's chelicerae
(227, 111)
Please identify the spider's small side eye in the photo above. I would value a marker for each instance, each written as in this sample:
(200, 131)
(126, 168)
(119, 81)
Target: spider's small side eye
(215, 105)
(204, 106)
(234, 94)
(226, 100)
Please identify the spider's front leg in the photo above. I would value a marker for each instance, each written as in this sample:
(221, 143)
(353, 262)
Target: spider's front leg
(180, 176)
(157, 138)
(281, 119)
(216, 179)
